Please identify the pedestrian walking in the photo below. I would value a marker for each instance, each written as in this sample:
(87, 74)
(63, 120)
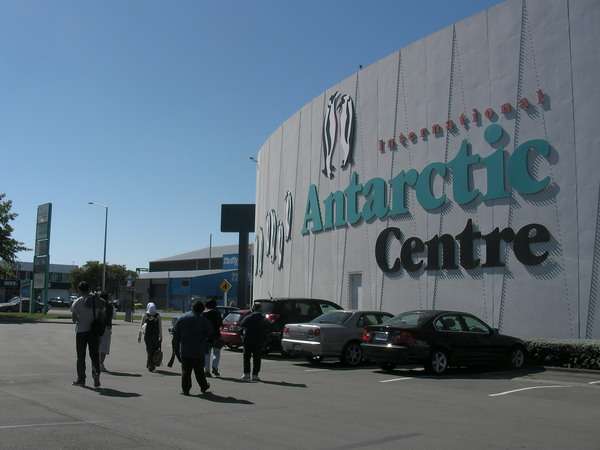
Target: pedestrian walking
(192, 331)
(88, 313)
(254, 333)
(151, 329)
(107, 336)
(215, 343)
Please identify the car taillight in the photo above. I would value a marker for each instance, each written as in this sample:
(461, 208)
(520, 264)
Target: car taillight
(286, 331)
(314, 332)
(403, 338)
(366, 336)
(272, 317)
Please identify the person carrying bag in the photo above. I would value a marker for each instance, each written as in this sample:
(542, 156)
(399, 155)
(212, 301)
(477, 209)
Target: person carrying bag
(151, 329)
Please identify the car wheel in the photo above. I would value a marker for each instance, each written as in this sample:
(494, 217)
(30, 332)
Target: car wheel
(438, 362)
(352, 354)
(517, 358)
(387, 366)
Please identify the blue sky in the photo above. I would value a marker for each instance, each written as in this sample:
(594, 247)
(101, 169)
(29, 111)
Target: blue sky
(155, 107)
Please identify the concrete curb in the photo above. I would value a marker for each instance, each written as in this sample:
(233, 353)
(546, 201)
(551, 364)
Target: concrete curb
(571, 370)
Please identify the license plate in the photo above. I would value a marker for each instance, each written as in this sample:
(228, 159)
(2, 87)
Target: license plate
(381, 337)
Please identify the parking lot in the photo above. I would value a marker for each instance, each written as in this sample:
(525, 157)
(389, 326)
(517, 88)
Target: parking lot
(296, 406)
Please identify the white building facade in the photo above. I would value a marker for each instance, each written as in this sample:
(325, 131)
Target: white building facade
(460, 172)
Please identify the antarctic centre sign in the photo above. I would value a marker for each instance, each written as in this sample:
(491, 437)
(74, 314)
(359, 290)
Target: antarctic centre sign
(378, 198)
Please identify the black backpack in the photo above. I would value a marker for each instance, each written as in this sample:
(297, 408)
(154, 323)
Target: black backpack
(99, 317)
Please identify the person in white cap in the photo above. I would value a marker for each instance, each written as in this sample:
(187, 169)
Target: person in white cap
(151, 329)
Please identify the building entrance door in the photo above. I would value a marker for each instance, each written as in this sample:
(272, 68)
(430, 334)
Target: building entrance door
(356, 298)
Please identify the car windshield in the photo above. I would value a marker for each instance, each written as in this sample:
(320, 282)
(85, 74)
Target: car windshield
(232, 317)
(337, 317)
(407, 320)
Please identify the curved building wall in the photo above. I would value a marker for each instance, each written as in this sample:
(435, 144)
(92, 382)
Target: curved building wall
(505, 102)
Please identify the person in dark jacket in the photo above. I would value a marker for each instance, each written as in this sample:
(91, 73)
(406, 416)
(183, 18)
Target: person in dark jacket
(190, 336)
(254, 331)
(214, 344)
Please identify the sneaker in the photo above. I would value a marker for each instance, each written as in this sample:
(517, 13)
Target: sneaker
(255, 378)
(207, 374)
(245, 377)
(204, 389)
(79, 383)
(215, 372)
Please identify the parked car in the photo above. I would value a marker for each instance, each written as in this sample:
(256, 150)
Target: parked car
(59, 302)
(13, 305)
(281, 311)
(225, 310)
(438, 340)
(333, 334)
(231, 332)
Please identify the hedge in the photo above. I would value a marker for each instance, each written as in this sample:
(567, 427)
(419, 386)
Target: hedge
(573, 353)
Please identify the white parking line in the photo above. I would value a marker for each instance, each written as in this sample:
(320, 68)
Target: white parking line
(527, 389)
(51, 424)
(594, 382)
(395, 379)
(315, 370)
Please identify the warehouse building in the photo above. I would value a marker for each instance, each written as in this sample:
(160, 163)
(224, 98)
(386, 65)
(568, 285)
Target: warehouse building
(173, 282)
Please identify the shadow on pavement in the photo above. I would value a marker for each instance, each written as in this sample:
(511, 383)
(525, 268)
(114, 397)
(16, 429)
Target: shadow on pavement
(167, 373)
(235, 380)
(335, 366)
(122, 374)
(276, 383)
(284, 383)
(108, 392)
(467, 373)
(211, 397)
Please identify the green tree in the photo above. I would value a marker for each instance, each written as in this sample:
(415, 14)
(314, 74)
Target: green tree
(9, 247)
(116, 277)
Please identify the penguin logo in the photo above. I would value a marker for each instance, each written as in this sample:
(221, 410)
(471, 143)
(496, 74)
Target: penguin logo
(338, 129)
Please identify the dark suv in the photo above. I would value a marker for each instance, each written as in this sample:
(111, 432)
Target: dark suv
(281, 311)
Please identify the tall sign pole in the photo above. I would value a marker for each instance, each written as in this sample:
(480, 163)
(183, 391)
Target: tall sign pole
(240, 219)
(41, 257)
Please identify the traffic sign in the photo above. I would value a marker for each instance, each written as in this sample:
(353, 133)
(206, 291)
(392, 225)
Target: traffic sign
(225, 286)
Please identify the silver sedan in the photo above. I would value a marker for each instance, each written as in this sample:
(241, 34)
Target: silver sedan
(333, 334)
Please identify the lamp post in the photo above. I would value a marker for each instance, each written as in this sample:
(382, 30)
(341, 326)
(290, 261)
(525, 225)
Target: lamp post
(105, 233)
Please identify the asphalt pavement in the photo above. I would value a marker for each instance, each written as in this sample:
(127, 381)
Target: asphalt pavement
(296, 406)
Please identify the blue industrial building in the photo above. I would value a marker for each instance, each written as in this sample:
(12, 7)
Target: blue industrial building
(175, 281)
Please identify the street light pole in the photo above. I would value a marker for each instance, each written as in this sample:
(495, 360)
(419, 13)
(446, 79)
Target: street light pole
(105, 235)
(104, 260)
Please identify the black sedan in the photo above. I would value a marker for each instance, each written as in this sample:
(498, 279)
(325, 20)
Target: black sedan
(59, 302)
(438, 340)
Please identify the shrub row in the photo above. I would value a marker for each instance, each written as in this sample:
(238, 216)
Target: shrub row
(577, 354)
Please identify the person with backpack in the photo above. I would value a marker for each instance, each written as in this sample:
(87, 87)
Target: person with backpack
(88, 313)
(214, 344)
(254, 333)
(151, 329)
(190, 336)
(106, 337)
